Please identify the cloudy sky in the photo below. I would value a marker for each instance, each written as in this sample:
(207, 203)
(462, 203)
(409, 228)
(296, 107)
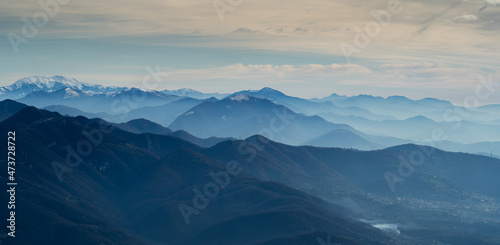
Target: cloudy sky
(415, 48)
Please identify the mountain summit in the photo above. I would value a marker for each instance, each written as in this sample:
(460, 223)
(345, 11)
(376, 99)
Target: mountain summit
(187, 92)
(242, 115)
(27, 85)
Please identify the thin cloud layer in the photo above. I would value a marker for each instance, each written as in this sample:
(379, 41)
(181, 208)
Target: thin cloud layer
(436, 43)
(319, 23)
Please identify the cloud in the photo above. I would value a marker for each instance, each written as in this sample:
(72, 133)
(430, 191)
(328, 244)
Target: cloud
(414, 79)
(466, 18)
(493, 2)
(433, 75)
(415, 65)
(243, 30)
(266, 71)
(428, 70)
(335, 69)
(317, 25)
(421, 44)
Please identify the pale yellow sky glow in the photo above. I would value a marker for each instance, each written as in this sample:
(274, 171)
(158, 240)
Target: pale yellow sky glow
(435, 44)
(310, 25)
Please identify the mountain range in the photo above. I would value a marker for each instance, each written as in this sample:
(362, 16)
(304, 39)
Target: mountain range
(363, 122)
(137, 187)
(31, 84)
(127, 192)
(244, 116)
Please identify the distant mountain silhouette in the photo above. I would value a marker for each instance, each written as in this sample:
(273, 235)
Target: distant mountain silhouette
(9, 108)
(167, 113)
(243, 116)
(140, 126)
(27, 85)
(361, 181)
(311, 170)
(70, 111)
(392, 105)
(190, 93)
(127, 190)
(309, 107)
(120, 103)
(208, 142)
(390, 117)
(344, 139)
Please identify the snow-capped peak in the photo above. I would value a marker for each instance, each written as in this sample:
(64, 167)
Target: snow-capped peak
(71, 93)
(240, 97)
(182, 92)
(187, 92)
(44, 82)
(26, 85)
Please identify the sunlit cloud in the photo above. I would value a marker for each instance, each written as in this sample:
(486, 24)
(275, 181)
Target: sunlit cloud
(240, 71)
(466, 18)
(438, 43)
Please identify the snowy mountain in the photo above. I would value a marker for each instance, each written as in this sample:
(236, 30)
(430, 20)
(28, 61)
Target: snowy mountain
(27, 85)
(31, 84)
(114, 103)
(186, 92)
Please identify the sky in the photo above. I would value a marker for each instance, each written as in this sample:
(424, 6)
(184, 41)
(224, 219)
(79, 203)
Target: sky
(414, 48)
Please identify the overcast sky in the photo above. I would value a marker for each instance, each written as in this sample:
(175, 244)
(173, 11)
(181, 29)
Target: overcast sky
(428, 48)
